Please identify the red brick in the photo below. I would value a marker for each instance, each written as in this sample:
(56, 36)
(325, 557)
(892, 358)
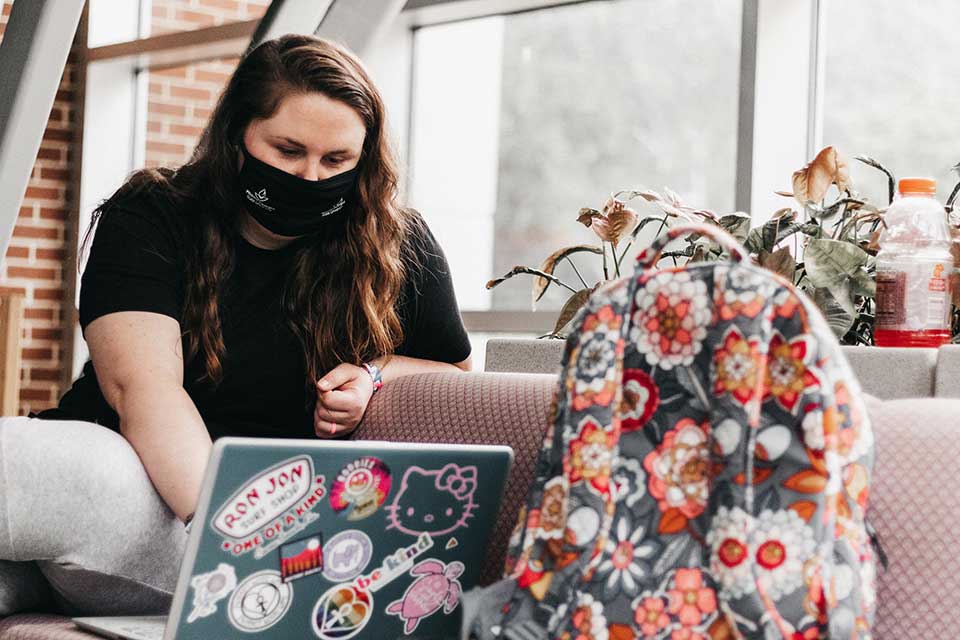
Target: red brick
(165, 147)
(232, 6)
(47, 294)
(64, 95)
(172, 72)
(46, 334)
(50, 254)
(216, 77)
(54, 174)
(52, 214)
(39, 314)
(37, 354)
(62, 135)
(185, 130)
(23, 231)
(44, 374)
(25, 212)
(37, 394)
(195, 18)
(32, 272)
(46, 153)
(43, 193)
(154, 127)
(169, 109)
(190, 93)
(18, 252)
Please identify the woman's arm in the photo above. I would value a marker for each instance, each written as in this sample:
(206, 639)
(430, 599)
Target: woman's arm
(344, 393)
(138, 359)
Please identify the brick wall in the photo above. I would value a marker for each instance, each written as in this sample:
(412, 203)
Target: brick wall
(35, 262)
(182, 98)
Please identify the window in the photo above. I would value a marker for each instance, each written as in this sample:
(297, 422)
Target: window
(519, 120)
(890, 89)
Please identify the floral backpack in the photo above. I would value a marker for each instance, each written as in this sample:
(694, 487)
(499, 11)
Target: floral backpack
(706, 473)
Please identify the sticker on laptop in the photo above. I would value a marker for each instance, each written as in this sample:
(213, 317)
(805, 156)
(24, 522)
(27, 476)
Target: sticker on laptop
(259, 602)
(346, 555)
(448, 492)
(270, 508)
(394, 565)
(436, 587)
(301, 558)
(341, 613)
(360, 488)
(451, 544)
(209, 589)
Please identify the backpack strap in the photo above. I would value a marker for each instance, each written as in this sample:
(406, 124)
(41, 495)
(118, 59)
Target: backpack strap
(647, 259)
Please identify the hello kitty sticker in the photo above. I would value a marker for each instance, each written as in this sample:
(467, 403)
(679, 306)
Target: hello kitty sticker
(448, 492)
(360, 488)
(436, 586)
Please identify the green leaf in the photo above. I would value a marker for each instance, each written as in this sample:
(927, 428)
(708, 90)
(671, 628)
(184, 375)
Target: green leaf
(831, 263)
(570, 308)
(839, 319)
(736, 225)
(765, 238)
(863, 284)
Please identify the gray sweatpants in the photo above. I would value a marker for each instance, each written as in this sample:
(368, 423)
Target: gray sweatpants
(82, 529)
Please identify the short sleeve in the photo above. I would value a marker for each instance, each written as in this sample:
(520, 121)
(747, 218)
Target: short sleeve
(135, 263)
(433, 327)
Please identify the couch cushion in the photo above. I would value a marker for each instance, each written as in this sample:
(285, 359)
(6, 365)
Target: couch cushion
(470, 408)
(915, 507)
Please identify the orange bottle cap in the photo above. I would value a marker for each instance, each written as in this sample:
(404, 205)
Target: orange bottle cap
(927, 186)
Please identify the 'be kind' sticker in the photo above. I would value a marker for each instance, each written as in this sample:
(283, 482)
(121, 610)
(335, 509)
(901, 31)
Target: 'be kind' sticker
(270, 508)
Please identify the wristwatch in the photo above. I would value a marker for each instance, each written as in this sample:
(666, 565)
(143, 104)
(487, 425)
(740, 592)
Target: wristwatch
(375, 375)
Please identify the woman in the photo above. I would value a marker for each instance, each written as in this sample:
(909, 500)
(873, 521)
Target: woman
(266, 288)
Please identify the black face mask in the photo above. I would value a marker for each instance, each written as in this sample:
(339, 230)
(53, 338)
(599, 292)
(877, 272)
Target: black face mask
(289, 205)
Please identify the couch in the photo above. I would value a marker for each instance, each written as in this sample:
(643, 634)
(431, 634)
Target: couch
(915, 503)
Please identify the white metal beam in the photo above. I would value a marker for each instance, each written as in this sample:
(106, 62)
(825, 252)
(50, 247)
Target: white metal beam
(33, 54)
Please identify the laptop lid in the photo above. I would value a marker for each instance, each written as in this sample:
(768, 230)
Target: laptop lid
(336, 539)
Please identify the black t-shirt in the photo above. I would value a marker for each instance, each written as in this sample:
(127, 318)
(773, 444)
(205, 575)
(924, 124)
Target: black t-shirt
(137, 263)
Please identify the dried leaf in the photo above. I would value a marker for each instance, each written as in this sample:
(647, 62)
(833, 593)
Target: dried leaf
(517, 270)
(806, 482)
(780, 261)
(810, 184)
(570, 308)
(786, 194)
(541, 284)
(672, 521)
(737, 225)
(586, 216)
(617, 221)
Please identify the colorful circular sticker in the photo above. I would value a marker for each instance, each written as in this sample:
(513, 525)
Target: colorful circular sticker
(346, 555)
(259, 601)
(360, 488)
(342, 612)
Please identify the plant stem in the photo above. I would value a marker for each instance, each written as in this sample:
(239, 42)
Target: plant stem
(616, 263)
(606, 274)
(577, 271)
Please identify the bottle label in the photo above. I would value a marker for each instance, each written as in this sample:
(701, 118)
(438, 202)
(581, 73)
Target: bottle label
(913, 296)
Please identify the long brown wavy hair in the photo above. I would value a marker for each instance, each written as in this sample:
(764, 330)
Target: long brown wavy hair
(341, 294)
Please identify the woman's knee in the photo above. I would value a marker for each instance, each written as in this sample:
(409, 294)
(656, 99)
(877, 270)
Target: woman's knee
(65, 485)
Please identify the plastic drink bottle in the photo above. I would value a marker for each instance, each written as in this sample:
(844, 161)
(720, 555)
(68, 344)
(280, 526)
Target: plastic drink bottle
(914, 270)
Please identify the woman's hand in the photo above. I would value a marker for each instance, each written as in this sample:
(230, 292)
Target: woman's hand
(342, 398)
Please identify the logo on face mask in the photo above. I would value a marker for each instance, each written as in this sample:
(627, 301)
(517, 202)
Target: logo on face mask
(334, 208)
(260, 199)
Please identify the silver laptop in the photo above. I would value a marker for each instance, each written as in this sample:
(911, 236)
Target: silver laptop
(330, 540)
